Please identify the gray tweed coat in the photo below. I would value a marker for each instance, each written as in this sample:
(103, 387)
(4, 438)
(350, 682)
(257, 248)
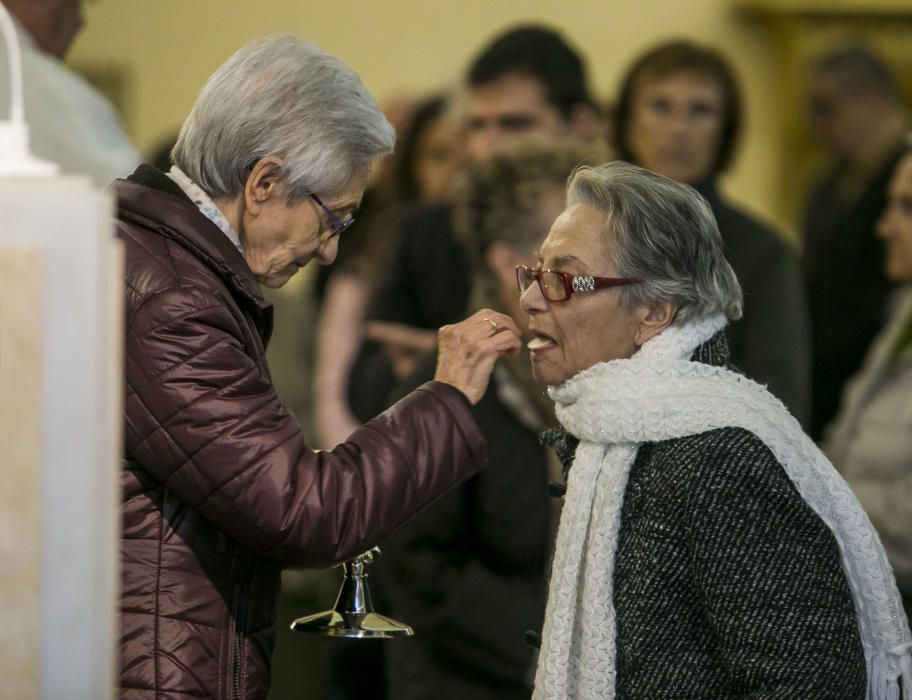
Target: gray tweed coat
(727, 584)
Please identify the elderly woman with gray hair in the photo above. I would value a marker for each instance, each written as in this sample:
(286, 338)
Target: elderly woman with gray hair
(219, 490)
(706, 547)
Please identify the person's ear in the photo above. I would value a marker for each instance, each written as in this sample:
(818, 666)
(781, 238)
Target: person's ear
(263, 183)
(654, 319)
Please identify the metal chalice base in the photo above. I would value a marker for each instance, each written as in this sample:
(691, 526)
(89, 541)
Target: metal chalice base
(353, 614)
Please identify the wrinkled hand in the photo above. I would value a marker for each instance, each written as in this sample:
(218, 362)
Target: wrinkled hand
(468, 350)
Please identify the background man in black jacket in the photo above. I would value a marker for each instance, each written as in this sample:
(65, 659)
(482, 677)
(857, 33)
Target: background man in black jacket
(856, 112)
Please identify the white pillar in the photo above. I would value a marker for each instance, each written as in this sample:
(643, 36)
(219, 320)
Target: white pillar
(20, 480)
(73, 289)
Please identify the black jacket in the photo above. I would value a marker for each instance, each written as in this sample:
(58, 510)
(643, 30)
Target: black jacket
(428, 282)
(848, 290)
(469, 572)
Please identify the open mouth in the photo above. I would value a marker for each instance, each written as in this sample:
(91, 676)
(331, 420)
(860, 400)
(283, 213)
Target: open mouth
(541, 343)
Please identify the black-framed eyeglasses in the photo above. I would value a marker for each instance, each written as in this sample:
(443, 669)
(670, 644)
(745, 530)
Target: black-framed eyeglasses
(560, 286)
(336, 225)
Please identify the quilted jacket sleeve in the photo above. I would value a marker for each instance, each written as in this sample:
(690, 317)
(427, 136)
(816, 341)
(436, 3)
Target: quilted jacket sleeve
(203, 418)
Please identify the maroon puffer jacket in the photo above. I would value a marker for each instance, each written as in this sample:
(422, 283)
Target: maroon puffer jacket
(219, 489)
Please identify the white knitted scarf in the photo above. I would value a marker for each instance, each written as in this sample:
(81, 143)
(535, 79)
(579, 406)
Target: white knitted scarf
(659, 394)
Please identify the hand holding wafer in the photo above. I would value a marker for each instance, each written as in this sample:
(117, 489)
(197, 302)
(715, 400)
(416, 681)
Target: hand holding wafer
(468, 350)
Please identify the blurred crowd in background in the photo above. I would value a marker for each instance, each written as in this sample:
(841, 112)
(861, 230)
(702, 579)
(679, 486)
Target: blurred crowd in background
(477, 178)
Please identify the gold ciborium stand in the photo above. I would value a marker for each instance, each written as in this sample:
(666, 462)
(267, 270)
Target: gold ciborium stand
(353, 614)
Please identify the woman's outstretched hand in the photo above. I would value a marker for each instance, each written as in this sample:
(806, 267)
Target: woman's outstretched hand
(467, 351)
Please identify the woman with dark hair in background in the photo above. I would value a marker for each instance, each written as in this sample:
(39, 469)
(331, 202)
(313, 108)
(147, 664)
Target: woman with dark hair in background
(429, 153)
(679, 114)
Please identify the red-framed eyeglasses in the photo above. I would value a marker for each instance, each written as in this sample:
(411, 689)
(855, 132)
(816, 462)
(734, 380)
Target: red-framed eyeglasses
(560, 286)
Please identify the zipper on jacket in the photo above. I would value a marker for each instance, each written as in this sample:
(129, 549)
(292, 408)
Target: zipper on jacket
(238, 615)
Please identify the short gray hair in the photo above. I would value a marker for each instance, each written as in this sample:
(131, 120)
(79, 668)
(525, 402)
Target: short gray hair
(663, 234)
(282, 96)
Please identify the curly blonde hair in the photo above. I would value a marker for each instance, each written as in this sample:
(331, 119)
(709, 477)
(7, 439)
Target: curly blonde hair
(500, 198)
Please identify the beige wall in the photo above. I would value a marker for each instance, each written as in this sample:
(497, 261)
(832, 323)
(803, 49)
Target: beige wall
(167, 48)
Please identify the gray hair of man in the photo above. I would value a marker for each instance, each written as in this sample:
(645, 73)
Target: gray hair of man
(282, 96)
(663, 234)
